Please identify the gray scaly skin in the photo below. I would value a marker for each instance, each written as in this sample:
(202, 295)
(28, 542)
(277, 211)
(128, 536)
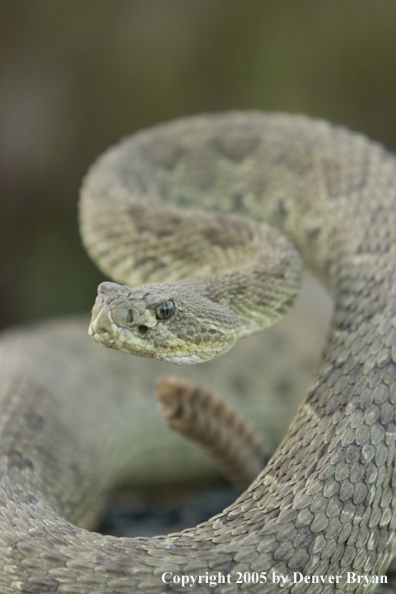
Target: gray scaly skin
(324, 504)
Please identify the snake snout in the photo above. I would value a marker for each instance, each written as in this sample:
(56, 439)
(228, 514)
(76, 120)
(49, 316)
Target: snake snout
(101, 327)
(107, 287)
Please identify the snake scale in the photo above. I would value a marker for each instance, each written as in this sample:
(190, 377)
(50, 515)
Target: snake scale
(324, 505)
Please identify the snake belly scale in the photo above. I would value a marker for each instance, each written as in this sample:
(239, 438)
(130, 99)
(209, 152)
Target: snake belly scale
(325, 503)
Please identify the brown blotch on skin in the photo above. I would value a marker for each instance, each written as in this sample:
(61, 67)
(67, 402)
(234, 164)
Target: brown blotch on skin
(236, 147)
(219, 237)
(281, 210)
(227, 234)
(169, 226)
(281, 272)
(283, 309)
(238, 290)
(338, 184)
(166, 157)
(155, 264)
(161, 225)
(34, 421)
(74, 467)
(314, 233)
(238, 202)
(16, 460)
(294, 155)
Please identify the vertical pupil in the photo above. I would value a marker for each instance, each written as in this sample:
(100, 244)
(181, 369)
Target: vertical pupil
(165, 310)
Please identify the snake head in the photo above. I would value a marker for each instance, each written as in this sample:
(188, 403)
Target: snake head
(169, 322)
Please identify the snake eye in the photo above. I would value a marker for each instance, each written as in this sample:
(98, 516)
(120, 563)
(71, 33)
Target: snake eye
(165, 310)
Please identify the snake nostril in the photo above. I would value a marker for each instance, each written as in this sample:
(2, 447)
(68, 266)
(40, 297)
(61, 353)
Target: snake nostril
(142, 329)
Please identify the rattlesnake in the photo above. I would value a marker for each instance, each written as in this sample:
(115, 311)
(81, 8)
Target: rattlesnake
(323, 505)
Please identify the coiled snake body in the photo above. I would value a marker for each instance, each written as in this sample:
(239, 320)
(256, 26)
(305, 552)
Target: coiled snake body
(325, 503)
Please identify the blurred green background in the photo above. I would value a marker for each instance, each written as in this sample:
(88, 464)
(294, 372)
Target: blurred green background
(75, 76)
